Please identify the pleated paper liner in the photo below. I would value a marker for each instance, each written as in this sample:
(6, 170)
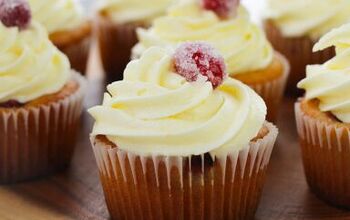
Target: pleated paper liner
(37, 141)
(76, 46)
(161, 187)
(298, 50)
(272, 91)
(326, 157)
(115, 44)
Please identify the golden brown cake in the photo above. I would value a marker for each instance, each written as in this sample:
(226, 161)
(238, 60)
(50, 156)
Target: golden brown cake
(161, 188)
(38, 137)
(323, 121)
(325, 145)
(248, 54)
(117, 22)
(75, 44)
(68, 28)
(269, 83)
(179, 139)
(41, 99)
(115, 43)
(298, 51)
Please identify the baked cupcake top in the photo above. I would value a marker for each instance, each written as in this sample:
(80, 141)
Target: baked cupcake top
(30, 66)
(179, 103)
(330, 82)
(312, 18)
(124, 11)
(242, 43)
(57, 15)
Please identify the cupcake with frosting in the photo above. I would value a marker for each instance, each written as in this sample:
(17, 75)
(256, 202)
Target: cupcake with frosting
(117, 21)
(294, 26)
(323, 119)
(175, 128)
(248, 55)
(68, 28)
(40, 98)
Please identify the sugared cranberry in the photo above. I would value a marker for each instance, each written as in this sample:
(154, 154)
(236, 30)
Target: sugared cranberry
(11, 104)
(15, 13)
(194, 59)
(223, 8)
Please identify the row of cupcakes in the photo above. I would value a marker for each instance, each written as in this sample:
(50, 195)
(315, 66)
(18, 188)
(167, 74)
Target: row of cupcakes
(145, 158)
(177, 137)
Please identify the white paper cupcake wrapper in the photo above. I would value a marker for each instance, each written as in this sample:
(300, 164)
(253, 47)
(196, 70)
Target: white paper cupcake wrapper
(115, 44)
(78, 54)
(272, 91)
(36, 141)
(326, 156)
(298, 51)
(163, 187)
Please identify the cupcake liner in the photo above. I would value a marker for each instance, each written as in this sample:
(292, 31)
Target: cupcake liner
(272, 91)
(36, 141)
(115, 44)
(326, 157)
(298, 51)
(170, 187)
(78, 53)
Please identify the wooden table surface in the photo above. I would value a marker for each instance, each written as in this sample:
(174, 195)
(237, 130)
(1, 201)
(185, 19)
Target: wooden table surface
(77, 194)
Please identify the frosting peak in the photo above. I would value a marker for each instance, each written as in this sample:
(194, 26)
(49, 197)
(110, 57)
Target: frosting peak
(242, 43)
(30, 66)
(156, 111)
(330, 82)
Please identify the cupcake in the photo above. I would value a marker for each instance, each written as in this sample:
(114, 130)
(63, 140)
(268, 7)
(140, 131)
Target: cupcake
(323, 119)
(68, 29)
(294, 26)
(117, 21)
(177, 139)
(40, 98)
(248, 55)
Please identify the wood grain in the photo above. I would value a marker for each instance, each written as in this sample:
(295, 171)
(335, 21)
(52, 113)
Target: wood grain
(76, 193)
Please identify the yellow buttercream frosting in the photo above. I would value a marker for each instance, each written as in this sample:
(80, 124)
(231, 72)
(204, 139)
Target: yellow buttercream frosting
(123, 11)
(155, 111)
(312, 18)
(330, 82)
(30, 66)
(57, 15)
(242, 43)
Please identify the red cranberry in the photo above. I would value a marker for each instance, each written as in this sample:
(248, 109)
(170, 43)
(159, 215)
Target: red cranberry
(11, 104)
(15, 13)
(192, 59)
(223, 8)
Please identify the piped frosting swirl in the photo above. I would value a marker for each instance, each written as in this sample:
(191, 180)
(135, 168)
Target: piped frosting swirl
(242, 43)
(330, 82)
(30, 66)
(155, 111)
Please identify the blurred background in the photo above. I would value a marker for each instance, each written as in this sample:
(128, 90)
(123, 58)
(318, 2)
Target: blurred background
(255, 6)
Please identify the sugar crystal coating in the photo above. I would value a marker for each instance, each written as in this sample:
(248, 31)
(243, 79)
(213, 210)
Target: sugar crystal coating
(15, 13)
(223, 8)
(194, 59)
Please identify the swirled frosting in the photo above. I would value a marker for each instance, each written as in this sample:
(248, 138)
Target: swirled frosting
(30, 66)
(330, 82)
(123, 11)
(57, 15)
(312, 18)
(242, 44)
(156, 111)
